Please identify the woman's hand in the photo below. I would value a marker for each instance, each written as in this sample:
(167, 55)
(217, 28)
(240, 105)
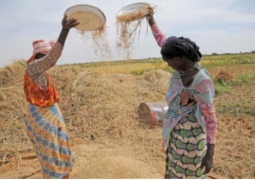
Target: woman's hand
(207, 162)
(150, 13)
(150, 17)
(68, 24)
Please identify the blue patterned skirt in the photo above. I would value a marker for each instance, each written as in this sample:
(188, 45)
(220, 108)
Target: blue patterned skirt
(47, 131)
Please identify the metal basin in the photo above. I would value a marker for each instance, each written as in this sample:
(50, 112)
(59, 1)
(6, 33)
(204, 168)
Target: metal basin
(153, 112)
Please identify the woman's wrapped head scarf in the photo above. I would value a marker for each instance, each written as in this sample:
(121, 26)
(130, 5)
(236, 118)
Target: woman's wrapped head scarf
(41, 46)
(176, 47)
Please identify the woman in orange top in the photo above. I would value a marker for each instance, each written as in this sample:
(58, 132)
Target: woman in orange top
(44, 121)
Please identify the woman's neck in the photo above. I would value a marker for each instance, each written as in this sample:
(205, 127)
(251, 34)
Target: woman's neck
(187, 65)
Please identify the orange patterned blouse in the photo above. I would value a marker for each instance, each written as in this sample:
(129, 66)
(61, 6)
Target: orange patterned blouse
(37, 96)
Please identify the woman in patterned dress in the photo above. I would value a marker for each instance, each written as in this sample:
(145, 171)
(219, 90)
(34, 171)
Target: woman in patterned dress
(190, 125)
(44, 121)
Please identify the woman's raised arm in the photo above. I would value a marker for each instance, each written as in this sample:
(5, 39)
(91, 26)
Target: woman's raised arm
(36, 68)
(157, 33)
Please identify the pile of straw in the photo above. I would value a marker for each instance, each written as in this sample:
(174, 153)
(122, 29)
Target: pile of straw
(94, 105)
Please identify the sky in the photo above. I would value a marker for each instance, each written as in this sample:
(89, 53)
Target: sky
(217, 26)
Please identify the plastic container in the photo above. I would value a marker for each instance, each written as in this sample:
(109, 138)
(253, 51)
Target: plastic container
(90, 17)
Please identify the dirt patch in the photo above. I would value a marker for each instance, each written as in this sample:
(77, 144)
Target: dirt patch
(93, 161)
(119, 167)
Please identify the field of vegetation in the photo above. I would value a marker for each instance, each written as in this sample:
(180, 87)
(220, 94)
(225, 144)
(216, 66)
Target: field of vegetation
(100, 104)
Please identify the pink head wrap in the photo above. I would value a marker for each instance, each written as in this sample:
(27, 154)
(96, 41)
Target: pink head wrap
(41, 46)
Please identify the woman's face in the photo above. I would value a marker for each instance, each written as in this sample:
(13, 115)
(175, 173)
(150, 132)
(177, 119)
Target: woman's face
(174, 63)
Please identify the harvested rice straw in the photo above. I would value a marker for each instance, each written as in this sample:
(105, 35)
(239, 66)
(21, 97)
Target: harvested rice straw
(128, 27)
(97, 41)
(139, 14)
(127, 31)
